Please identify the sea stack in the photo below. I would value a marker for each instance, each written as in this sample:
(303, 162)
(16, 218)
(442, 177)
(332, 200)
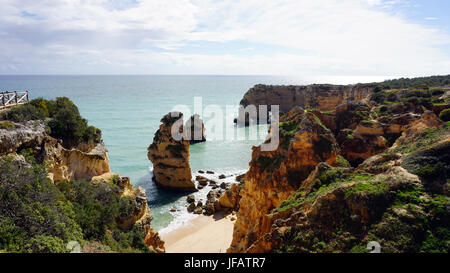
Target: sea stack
(195, 129)
(170, 157)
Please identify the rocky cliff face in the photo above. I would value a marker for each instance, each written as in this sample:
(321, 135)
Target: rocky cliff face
(85, 162)
(73, 164)
(274, 176)
(389, 199)
(394, 190)
(322, 97)
(62, 163)
(170, 157)
(139, 213)
(19, 136)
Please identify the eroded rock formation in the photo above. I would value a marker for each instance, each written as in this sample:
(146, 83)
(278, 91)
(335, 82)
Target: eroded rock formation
(62, 163)
(28, 141)
(29, 134)
(323, 97)
(170, 157)
(73, 164)
(195, 129)
(395, 191)
(274, 176)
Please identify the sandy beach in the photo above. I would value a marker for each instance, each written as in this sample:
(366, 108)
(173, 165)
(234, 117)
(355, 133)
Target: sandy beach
(203, 234)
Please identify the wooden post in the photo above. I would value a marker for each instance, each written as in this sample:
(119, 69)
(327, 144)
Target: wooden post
(27, 97)
(15, 96)
(3, 100)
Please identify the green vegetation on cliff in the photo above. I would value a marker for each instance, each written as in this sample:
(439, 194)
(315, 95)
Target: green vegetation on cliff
(38, 216)
(420, 82)
(64, 120)
(350, 208)
(399, 198)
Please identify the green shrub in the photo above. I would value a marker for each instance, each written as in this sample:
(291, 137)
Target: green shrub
(65, 122)
(378, 97)
(46, 244)
(6, 125)
(37, 216)
(23, 113)
(343, 162)
(445, 115)
(68, 125)
(33, 206)
(96, 206)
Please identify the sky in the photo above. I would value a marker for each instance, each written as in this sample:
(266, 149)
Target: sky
(309, 39)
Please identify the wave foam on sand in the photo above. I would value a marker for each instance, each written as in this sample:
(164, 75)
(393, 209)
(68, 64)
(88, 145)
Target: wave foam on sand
(203, 234)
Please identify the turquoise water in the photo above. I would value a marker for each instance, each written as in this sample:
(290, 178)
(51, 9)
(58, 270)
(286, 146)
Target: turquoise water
(128, 110)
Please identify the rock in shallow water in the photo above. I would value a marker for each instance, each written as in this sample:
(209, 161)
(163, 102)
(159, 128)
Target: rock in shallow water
(190, 198)
(191, 207)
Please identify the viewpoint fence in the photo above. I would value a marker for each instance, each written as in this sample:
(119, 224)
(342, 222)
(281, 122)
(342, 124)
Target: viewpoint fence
(8, 99)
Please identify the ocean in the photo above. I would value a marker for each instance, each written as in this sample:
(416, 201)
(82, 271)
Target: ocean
(128, 110)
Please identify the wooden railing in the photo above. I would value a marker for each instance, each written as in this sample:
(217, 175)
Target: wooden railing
(8, 99)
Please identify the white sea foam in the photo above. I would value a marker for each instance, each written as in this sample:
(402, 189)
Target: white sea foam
(181, 217)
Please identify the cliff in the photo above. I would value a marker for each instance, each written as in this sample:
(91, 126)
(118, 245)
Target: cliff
(62, 163)
(323, 97)
(274, 176)
(67, 181)
(384, 180)
(170, 157)
(138, 214)
(388, 199)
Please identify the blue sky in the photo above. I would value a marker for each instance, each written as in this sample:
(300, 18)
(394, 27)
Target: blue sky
(322, 39)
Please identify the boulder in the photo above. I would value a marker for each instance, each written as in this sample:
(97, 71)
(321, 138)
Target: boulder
(230, 199)
(198, 210)
(190, 198)
(209, 209)
(191, 207)
(202, 180)
(217, 206)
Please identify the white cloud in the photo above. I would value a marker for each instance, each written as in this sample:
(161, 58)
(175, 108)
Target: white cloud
(332, 37)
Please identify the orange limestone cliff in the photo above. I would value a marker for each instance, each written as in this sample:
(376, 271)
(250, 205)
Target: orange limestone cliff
(323, 97)
(170, 157)
(274, 176)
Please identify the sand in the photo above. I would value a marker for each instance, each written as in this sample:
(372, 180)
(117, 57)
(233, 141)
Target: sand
(203, 234)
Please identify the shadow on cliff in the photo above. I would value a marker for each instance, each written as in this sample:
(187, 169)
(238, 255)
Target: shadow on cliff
(158, 196)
